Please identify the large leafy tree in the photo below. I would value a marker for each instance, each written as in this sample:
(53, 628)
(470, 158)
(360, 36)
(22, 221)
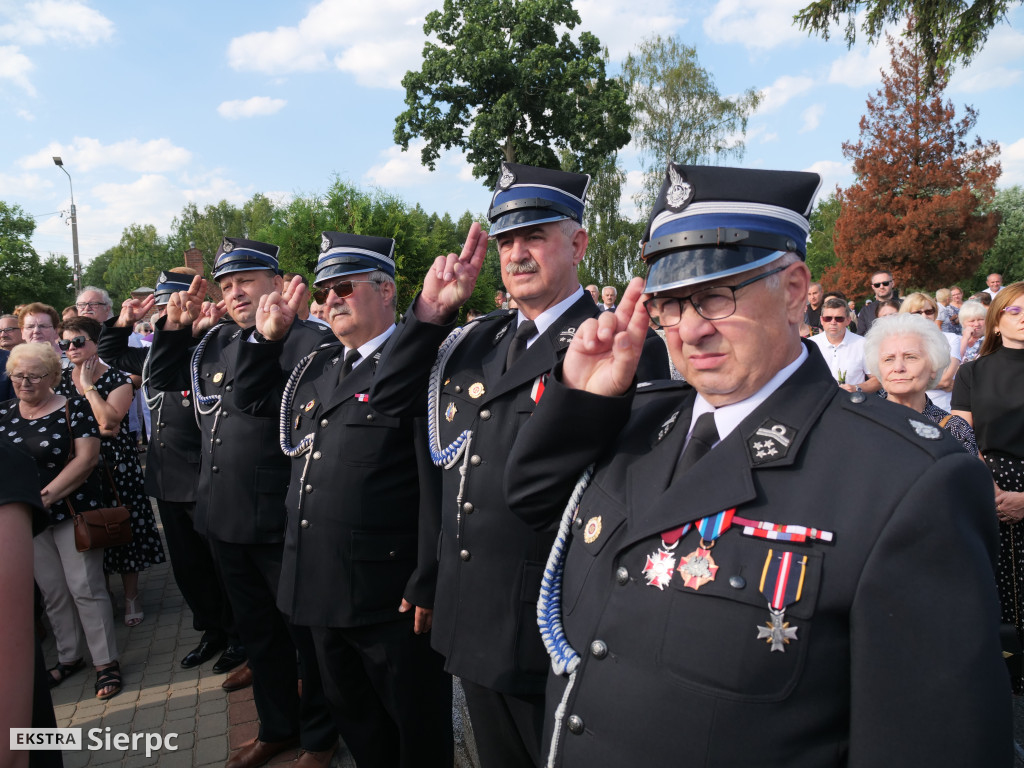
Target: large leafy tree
(944, 31)
(1007, 253)
(917, 208)
(136, 261)
(24, 277)
(678, 113)
(505, 80)
(613, 253)
(821, 251)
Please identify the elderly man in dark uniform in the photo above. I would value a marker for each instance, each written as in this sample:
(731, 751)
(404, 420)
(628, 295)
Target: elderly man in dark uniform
(488, 379)
(357, 569)
(696, 607)
(172, 474)
(242, 484)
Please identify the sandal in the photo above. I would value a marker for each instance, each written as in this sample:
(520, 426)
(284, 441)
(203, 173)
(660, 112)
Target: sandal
(133, 614)
(64, 671)
(108, 677)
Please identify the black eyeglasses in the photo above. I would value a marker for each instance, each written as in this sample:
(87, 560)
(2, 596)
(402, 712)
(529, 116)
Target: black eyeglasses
(928, 312)
(90, 304)
(882, 284)
(7, 331)
(342, 289)
(831, 319)
(77, 342)
(715, 303)
(21, 378)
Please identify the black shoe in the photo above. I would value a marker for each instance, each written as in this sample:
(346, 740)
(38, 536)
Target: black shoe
(231, 658)
(203, 652)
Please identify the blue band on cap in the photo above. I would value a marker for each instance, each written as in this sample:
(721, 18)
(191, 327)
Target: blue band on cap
(335, 263)
(525, 204)
(752, 222)
(244, 260)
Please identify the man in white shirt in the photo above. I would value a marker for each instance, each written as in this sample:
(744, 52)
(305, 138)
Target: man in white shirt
(843, 350)
(995, 284)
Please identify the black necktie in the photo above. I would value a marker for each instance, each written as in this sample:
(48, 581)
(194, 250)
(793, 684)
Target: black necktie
(525, 330)
(705, 435)
(350, 359)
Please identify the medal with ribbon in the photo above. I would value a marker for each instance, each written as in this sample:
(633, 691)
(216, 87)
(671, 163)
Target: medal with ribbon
(782, 584)
(696, 568)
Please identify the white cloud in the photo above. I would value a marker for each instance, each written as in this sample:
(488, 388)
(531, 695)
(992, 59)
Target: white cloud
(756, 24)
(1012, 159)
(399, 169)
(375, 42)
(832, 174)
(86, 154)
(770, 137)
(26, 185)
(257, 105)
(634, 183)
(812, 117)
(24, 114)
(781, 91)
(990, 67)
(861, 66)
(620, 26)
(56, 21)
(15, 66)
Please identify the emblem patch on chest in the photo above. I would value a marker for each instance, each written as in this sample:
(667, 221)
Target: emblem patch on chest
(476, 390)
(771, 442)
(449, 412)
(592, 530)
(926, 431)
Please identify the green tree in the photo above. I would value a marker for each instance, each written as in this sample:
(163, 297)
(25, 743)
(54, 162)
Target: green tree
(613, 253)
(821, 250)
(94, 273)
(24, 277)
(944, 31)
(137, 261)
(1007, 253)
(678, 113)
(500, 83)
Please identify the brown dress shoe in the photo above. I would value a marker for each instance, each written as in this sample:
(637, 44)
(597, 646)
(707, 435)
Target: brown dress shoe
(237, 680)
(257, 752)
(315, 759)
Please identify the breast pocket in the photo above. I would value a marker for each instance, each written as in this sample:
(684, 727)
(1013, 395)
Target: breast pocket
(721, 636)
(381, 565)
(597, 521)
(372, 440)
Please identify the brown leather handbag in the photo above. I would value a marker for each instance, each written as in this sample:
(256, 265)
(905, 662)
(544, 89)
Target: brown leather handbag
(102, 527)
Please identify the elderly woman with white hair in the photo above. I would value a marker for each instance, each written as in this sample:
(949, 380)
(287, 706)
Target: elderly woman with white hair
(909, 355)
(972, 324)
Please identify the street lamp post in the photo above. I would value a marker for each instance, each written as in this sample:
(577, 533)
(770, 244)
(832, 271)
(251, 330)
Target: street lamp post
(77, 274)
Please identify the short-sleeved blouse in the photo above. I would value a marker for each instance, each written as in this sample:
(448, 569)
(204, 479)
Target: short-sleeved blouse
(992, 389)
(47, 440)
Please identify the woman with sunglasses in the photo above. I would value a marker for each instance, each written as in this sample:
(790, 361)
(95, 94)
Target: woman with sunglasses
(65, 451)
(924, 305)
(109, 393)
(990, 396)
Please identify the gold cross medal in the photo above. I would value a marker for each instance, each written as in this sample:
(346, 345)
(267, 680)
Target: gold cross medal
(782, 584)
(698, 567)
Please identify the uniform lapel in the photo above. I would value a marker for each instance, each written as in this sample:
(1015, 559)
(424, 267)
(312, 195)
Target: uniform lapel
(724, 478)
(358, 380)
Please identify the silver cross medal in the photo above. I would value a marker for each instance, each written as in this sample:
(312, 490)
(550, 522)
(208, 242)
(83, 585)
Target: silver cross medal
(777, 631)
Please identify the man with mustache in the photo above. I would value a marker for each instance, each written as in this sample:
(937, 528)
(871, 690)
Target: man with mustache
(243, 479)
(488, 379)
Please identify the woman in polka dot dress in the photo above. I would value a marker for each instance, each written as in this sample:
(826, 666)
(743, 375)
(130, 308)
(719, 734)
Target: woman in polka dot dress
(109, 393)
(989, 393)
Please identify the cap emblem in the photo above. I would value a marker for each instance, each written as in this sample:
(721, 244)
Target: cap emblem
(227, 246)
(507, 177)
(325, 243)
(680, 191)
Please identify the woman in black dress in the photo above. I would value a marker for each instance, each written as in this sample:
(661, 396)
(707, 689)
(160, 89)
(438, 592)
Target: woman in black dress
(989, 393)
(109, 393)
(49, 427)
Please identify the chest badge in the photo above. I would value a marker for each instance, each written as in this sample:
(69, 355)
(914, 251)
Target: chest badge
(926, 431)
(666, 427)
(770, 442)
(782, 584)
(309, 406)
(449, 413)
(476, 390)
(592, 530)
(697, 568)
(218, 377)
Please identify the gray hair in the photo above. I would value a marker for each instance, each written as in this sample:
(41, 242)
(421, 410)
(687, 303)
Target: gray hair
(935, 345)
(569, 227)
(785, 260)
(380, 277)
(973, 310)
(34, 352)
(103, 294)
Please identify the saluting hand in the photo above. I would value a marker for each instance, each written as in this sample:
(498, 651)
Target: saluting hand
(185, 307)
(450, 280)
(277, 311)
(604, 354)
(209, 315)
(133, 310)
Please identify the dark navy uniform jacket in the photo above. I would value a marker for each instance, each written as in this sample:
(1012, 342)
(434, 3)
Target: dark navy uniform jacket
(490, 562)
(895, 658)
(172, 466)
(239, 446)
(353, 546)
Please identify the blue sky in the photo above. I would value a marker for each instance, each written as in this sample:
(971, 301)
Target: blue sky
(152, 105)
